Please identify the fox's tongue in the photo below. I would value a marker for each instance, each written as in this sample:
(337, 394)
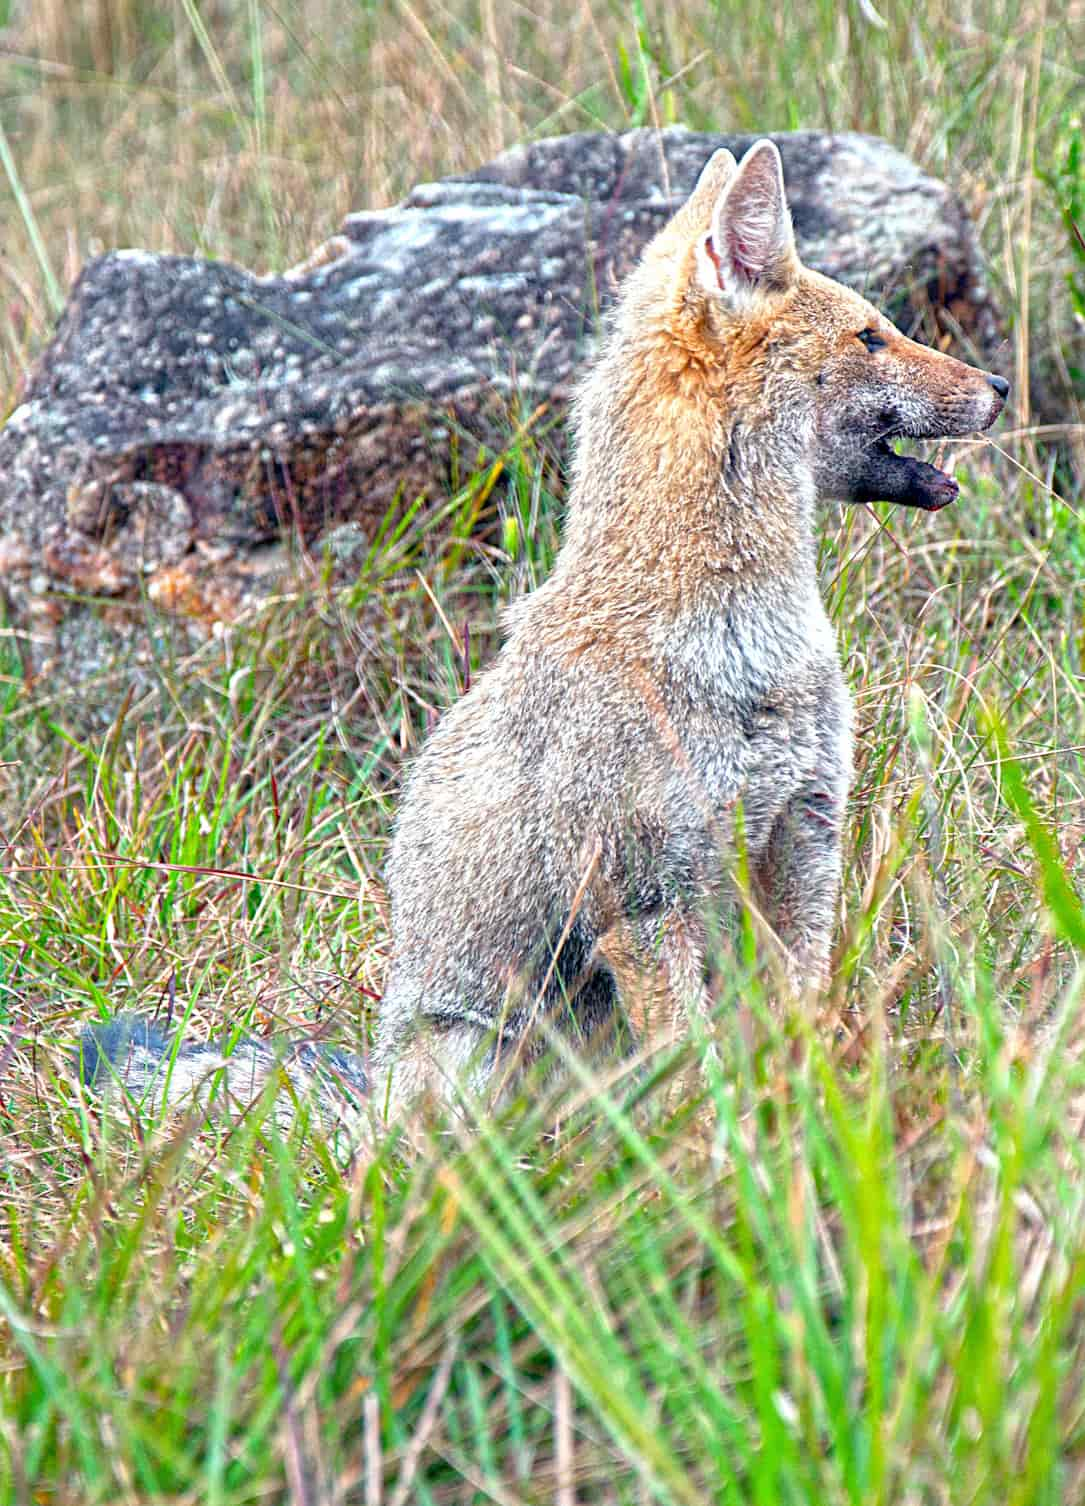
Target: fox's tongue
(889, 477)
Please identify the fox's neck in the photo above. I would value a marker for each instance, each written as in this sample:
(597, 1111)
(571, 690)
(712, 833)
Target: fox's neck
(677, 499)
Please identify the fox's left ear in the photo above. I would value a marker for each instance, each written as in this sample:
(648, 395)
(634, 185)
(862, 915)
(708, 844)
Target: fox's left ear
(750, 248)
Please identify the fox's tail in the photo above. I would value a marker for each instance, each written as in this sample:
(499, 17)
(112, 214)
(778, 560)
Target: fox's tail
(158, 1071)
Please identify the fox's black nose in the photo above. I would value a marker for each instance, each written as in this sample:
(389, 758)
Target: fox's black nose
(1000, 384)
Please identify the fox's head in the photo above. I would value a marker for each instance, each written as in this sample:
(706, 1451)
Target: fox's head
(803, 364)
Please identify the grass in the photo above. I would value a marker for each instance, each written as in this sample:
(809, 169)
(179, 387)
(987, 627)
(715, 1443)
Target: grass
(853, 1273)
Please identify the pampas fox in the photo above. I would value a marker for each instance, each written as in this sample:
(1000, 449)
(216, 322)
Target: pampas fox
(565, 831)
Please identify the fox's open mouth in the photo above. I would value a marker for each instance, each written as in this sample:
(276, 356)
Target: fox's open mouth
(889, 477)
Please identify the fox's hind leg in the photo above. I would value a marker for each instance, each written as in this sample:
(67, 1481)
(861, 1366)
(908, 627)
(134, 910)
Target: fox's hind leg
(428, 1070)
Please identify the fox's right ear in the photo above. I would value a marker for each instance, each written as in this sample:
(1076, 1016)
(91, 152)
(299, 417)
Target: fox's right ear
(750, 247)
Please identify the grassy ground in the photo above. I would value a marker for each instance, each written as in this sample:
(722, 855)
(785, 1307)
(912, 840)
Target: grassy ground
(858, 1277)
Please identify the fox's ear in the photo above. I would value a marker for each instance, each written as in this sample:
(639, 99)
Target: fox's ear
(750, 247)
(715, 176)
(692, 222)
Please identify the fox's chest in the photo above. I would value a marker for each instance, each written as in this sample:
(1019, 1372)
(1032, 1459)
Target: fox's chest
(762, 709)
(757, 644)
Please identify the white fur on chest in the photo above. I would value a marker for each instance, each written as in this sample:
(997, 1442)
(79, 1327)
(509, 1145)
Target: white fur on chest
(751, 644)
(759, 702)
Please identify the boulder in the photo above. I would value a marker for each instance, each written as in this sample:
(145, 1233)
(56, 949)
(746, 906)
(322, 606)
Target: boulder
(190, 416)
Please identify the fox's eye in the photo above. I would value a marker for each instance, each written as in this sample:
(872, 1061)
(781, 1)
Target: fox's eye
(871, 339)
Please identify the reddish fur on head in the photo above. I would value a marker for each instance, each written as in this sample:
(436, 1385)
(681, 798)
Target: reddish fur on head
(722, 299)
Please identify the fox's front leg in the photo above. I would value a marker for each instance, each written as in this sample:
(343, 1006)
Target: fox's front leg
(796, 881)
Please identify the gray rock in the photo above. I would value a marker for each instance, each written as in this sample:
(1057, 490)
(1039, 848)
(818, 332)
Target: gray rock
(188, 413)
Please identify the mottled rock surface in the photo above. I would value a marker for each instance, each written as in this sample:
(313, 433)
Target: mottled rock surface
(188, 414)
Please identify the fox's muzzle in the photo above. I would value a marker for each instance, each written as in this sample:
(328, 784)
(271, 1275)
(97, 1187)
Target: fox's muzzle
(886, 476)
